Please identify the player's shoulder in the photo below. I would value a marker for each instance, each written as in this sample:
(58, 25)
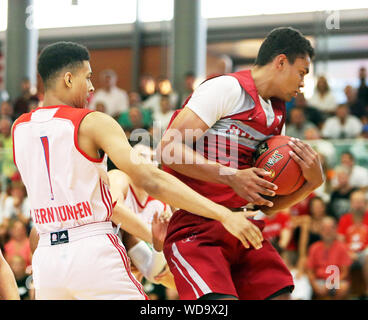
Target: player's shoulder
(96, 119)
(224, 82)
(118, 176)
(225, 86)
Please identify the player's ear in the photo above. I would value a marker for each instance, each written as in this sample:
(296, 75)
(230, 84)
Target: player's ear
(68, 79)
(280, 61)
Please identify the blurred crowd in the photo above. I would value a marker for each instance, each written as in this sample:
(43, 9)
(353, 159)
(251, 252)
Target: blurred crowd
(329, 228)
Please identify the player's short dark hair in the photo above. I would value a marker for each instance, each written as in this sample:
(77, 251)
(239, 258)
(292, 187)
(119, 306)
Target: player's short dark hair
(59, 55)
(284, 40)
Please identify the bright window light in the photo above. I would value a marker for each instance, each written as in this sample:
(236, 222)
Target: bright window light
(232, 8)
(61, 13)
(3, 14)
(156, 10)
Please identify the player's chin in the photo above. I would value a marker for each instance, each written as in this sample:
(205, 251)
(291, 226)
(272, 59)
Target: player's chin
(288, 97)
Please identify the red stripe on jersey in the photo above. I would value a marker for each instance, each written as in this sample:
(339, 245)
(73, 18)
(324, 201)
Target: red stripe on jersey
(108, 194)
(45, 144)
(136, 199)
(115, 242)
(76, 115)
(104, 200)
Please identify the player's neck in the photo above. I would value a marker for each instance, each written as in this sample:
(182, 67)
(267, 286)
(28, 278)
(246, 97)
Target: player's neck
(263, 81)
(51, 99)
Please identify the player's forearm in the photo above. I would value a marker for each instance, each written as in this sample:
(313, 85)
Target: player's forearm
(172, 191)
(8, 286)
(283, 202)
(185, 160)
(129, 222)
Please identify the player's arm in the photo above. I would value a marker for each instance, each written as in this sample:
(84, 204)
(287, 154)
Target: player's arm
(33, 239)
(174, 152)
(8, 285)
(122, 215)
(100, 131)
(310, 164)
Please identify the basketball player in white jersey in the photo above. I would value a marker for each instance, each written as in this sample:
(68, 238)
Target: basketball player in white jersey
(60, 151)
(8, 285)
(147, 262)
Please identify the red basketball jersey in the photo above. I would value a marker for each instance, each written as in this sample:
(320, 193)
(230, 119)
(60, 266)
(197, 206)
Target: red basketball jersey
(232, 140)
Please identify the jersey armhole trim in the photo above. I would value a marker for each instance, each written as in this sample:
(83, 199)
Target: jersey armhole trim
(76, 129)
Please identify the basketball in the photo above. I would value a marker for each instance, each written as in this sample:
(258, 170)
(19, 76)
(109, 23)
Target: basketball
(273, 156)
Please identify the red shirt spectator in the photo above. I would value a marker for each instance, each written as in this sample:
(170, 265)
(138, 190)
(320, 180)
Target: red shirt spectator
(302, 207)
(19, 244)
(355, 234)
(274, 225)
(321, 256)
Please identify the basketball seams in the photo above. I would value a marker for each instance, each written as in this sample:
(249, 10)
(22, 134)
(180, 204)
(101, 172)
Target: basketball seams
(282, 169)
(296, 183)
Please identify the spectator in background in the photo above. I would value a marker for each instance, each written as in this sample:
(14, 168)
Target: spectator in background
(353, 230)
(312, 114)
(322, 98)
(358, 174)
(21, 103)
(17, 206)
(317, 211)
(100, 106)
(6, 156)
(4, 96)
(115, 99)
(163, 88)
(342, 125)
(7, 111)
(362, 94)
(277, 230)
(18, 243)
(323, 257)
(134, 99)
(135, 118)
(24, 280)
(340, 196)
(33, 103)
(298, 124)
(189, 81)
(163, 116)
(146, 86)
(324, 147)
(357, 108)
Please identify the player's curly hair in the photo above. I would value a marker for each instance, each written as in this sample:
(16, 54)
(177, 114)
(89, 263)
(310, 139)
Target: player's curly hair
(59, 55)
(284, 40)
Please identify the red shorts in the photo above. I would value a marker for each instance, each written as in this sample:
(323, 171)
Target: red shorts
(205, 258)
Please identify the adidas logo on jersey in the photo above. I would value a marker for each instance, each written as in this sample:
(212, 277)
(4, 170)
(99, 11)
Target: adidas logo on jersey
(59, 237)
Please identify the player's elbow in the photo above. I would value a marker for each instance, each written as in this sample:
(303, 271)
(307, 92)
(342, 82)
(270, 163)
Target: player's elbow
(152, 184)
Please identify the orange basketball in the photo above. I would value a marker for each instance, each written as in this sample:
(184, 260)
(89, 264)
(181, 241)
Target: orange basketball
(273, 155)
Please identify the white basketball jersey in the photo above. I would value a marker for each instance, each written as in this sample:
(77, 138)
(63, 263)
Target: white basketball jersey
(66, 188)
(145, 210)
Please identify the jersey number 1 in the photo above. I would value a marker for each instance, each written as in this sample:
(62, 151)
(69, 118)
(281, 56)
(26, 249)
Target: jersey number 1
(45, 145)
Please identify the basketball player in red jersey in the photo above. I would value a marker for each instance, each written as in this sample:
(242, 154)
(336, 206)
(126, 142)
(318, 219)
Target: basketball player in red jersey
(231, 115)
(60, 150)
(8, 285)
